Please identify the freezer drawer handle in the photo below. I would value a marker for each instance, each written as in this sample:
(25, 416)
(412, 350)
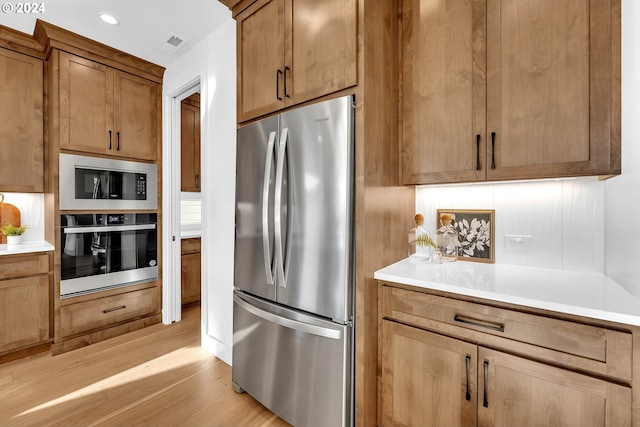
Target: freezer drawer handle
(289, 323)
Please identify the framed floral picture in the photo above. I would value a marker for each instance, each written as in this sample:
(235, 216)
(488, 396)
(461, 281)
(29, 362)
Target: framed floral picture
(475, 233)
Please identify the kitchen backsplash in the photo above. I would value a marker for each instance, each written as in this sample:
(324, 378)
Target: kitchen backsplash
(31, 208)
(190, 212)
(565, 219)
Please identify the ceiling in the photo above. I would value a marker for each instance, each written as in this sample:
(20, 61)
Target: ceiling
(144, 24)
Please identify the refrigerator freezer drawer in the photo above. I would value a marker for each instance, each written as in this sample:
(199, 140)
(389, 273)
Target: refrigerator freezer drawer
(295, 364)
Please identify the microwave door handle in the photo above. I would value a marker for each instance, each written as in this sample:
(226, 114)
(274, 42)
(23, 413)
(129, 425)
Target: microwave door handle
(266, 249)
(282, 147)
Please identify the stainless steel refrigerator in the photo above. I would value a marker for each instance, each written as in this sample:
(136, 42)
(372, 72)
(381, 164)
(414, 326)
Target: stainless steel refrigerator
(294, 259)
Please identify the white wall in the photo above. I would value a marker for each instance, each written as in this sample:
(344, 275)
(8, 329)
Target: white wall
(213, 61)
(623, 192)
(582, 224)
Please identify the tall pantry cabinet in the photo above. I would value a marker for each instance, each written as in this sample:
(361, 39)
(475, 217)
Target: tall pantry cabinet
(496, 90)
(102, 103)
(337, 48)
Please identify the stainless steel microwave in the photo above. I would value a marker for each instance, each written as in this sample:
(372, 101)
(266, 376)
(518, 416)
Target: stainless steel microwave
(95, 183)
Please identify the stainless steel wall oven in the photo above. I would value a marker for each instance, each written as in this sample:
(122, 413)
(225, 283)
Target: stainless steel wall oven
(107, 251)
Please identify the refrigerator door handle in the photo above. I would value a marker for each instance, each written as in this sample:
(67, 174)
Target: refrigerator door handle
(289, 323)
(282, 148)
(265, 209)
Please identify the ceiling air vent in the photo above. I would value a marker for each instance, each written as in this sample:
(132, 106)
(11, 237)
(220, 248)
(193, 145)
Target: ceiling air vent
(171, 43)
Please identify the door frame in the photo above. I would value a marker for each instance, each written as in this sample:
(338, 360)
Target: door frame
(171, 177)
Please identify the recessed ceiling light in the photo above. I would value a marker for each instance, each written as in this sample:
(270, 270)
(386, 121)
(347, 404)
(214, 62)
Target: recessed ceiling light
(109, 19)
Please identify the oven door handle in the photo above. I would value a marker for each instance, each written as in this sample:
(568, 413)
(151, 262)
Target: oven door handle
(109, 228)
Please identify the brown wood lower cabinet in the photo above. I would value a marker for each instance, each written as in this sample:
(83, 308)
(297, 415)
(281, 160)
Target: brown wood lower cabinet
(425, 378)
(24, 302)
(191, 270)
(514, 391)
(445, 373)
(87, 319)
(102, 312)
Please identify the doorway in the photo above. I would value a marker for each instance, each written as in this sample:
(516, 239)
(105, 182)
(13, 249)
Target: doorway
(190, 201)
(182, 209)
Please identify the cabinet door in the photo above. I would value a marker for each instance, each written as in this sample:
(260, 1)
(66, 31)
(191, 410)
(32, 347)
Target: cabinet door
(86, 105)
(190, 147)
(136, 114)
(260, 48)
(443, 95)
(427, 379)
(550, 88)
(191, 277)
(24, 304)
(513, 391)
(320, 48)
(21, 109)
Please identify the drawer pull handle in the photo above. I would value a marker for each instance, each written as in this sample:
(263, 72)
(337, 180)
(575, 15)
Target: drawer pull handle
(468, 360)
(485, 401)
(493, 327)
(109, 310)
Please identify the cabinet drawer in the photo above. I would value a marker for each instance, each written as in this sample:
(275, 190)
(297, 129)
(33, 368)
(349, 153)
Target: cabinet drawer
(23, 265)
(598, 349)
(98, 313)
(190, 246)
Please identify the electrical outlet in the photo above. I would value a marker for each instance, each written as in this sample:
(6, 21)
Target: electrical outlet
(512, 241)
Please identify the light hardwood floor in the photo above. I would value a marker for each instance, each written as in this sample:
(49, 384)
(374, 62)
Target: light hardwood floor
(157, 376)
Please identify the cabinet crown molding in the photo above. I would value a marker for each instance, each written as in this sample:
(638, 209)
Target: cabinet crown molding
(20, 42)
(48, 37)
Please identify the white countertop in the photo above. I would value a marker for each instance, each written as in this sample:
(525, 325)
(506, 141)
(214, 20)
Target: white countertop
(584, 294)
(26, 247)
(190, 234)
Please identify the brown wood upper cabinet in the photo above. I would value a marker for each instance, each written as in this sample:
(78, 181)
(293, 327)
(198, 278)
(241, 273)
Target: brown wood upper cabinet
(107, 111)
(497, 90)
(21, 112)
(291, 51)
(190, 143)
